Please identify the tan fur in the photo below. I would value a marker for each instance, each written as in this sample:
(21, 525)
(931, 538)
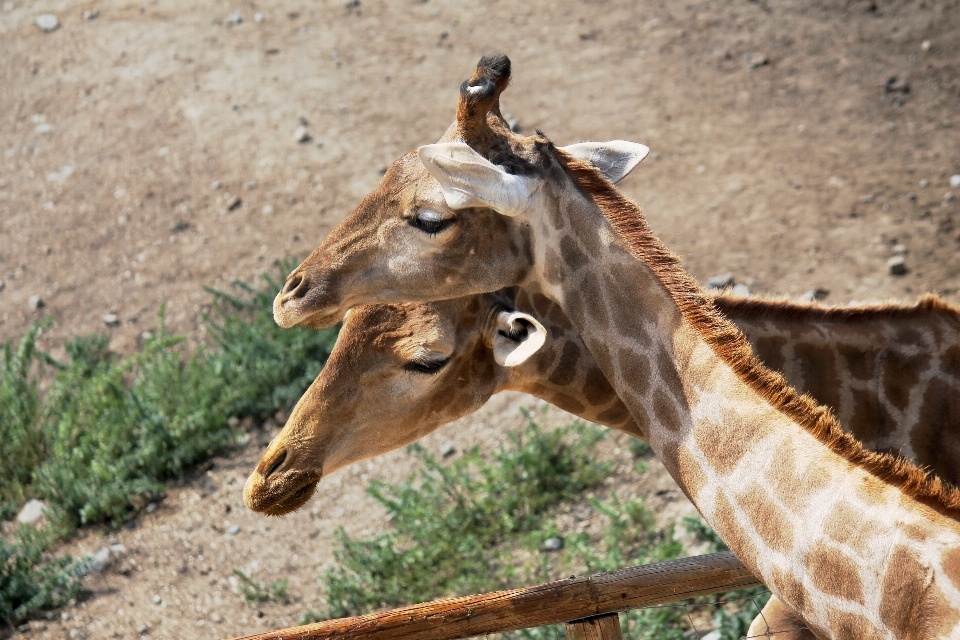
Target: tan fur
(730, 345)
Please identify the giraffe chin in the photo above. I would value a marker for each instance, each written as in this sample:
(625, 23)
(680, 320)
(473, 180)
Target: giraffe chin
(287, 315)
(288, 502)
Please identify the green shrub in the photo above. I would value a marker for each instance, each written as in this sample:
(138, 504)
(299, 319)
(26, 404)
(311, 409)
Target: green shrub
(255, 592)
(466, 510)
(29, 580)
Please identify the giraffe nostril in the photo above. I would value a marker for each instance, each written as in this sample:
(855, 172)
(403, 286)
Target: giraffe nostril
(275, 464)
(295, 286)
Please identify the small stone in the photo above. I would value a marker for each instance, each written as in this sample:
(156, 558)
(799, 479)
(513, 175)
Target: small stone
(701, 169)
(97, 563)
(43, 128)
(447, 449)
(755, 59)
(258, 17)
(721, 281)
(35, 302)
(151, 507)
(143, 629)
(815, 294)
(64, 615)
(31, 511)
(234, 203)
(3, 285)
(267, 209)
(897, 266)
(899, 249)
(924, 184)
(118, 549)
(948, 196)
(301, 134)
(48, 22)
(216, 617)
(78, 633)
(234, 18)
(925, 45)
(955, 181)
(339, 511)
(216, 184)
(253, 185)
(553, 544)
(111, 320)
(741, 289)
(89, 14)
(157, 599)
(233, 530)
(897, 84)
(867, 198)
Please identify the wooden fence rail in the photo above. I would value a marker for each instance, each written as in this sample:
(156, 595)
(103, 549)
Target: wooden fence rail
(554, 602)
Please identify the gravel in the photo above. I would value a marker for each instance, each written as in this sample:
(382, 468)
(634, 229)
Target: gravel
(897, 266)
(32, 511)
(97, 563)
(234, 18)
(43, 128)
(447, 449)
(301, 134)
(721, 281)
(233, 530)
(35, 302)
(900, 249)
(955, 180)
(553, 544)
(48, 22)
(111, 320)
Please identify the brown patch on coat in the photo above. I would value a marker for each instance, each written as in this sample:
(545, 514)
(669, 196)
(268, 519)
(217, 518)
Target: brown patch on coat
(566, 368)
(694, 476)
(770, 523)
(597, 389)
(852, 625)
(904, 586)
(847, 525)
(937, 446)
(865, 422)
(794, 484)
(899, 374)
(730, 345)
(834, 573)
(819, 369)
(950, 561)
(856, 362)
(790, 589)
(731, 530)
(770, 351)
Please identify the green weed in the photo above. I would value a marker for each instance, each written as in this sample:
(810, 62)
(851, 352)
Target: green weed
(255, 592)
(31, 581)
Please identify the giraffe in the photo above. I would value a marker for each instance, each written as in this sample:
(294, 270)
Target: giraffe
(420, 353)
(858, 544)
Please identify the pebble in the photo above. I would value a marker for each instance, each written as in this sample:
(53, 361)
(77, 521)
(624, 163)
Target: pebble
(64, 615)
(89, 14)
(721, 281)
(925, 45)
(899, 249)
(43, 128)
(97, 563)
(233, 530)
(948, 196)
(955, 180)
(143, 629)
(301, 134)
(741, 289)
(258, 17)
(31, 511)
(267, 209)
(897, 84)
(35, 302)
(924, 184)
(339, 511)
(897, 266)
(77, 633)
(553, 544)
(234, 18)
(815, 294)
(755, 59)
(157, 599)
(234, 203)
(701, 168)
(447, 449)
(3, 285)
(151, 507)
(111, 320)
(216, 184)
(47, 22)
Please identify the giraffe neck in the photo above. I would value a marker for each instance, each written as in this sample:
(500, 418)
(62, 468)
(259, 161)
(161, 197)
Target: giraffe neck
(890, 373)
(768, 470)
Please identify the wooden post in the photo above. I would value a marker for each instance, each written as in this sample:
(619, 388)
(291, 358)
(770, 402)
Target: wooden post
(596, 628)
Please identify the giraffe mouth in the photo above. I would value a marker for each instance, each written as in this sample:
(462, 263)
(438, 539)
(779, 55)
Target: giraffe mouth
(278, 501)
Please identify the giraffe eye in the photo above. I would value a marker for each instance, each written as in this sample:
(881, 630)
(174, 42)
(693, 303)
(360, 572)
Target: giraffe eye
(426, 366)
(429, 221)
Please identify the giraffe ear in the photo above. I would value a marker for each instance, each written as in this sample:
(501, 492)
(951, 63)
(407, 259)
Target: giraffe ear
(615, 159)
(516, 337)
(470, 180)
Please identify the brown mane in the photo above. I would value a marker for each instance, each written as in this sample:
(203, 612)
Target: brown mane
(730, 345)
(785, 310)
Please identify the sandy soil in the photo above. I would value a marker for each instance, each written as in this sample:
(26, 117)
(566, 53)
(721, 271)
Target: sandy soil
(150, 151)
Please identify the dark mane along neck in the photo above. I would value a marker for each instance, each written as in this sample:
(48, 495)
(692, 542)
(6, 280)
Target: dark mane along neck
(784, 310)
(730, 345)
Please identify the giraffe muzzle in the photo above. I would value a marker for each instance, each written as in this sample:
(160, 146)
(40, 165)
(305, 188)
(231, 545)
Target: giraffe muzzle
(306, 301)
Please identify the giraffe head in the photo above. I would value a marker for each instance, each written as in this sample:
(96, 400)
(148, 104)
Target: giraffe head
(396, 373)
(449, 210)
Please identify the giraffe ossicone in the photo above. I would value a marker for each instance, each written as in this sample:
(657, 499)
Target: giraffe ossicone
(857, 543)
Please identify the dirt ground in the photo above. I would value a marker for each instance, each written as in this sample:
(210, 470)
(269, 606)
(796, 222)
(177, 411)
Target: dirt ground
(150, 151)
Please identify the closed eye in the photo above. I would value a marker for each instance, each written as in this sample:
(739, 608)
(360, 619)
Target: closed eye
(429, 221)
(426, 366)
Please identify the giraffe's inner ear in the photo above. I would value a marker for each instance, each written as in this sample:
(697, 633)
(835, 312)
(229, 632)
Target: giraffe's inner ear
(470, 180)
(516, 337)
(615, 159)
